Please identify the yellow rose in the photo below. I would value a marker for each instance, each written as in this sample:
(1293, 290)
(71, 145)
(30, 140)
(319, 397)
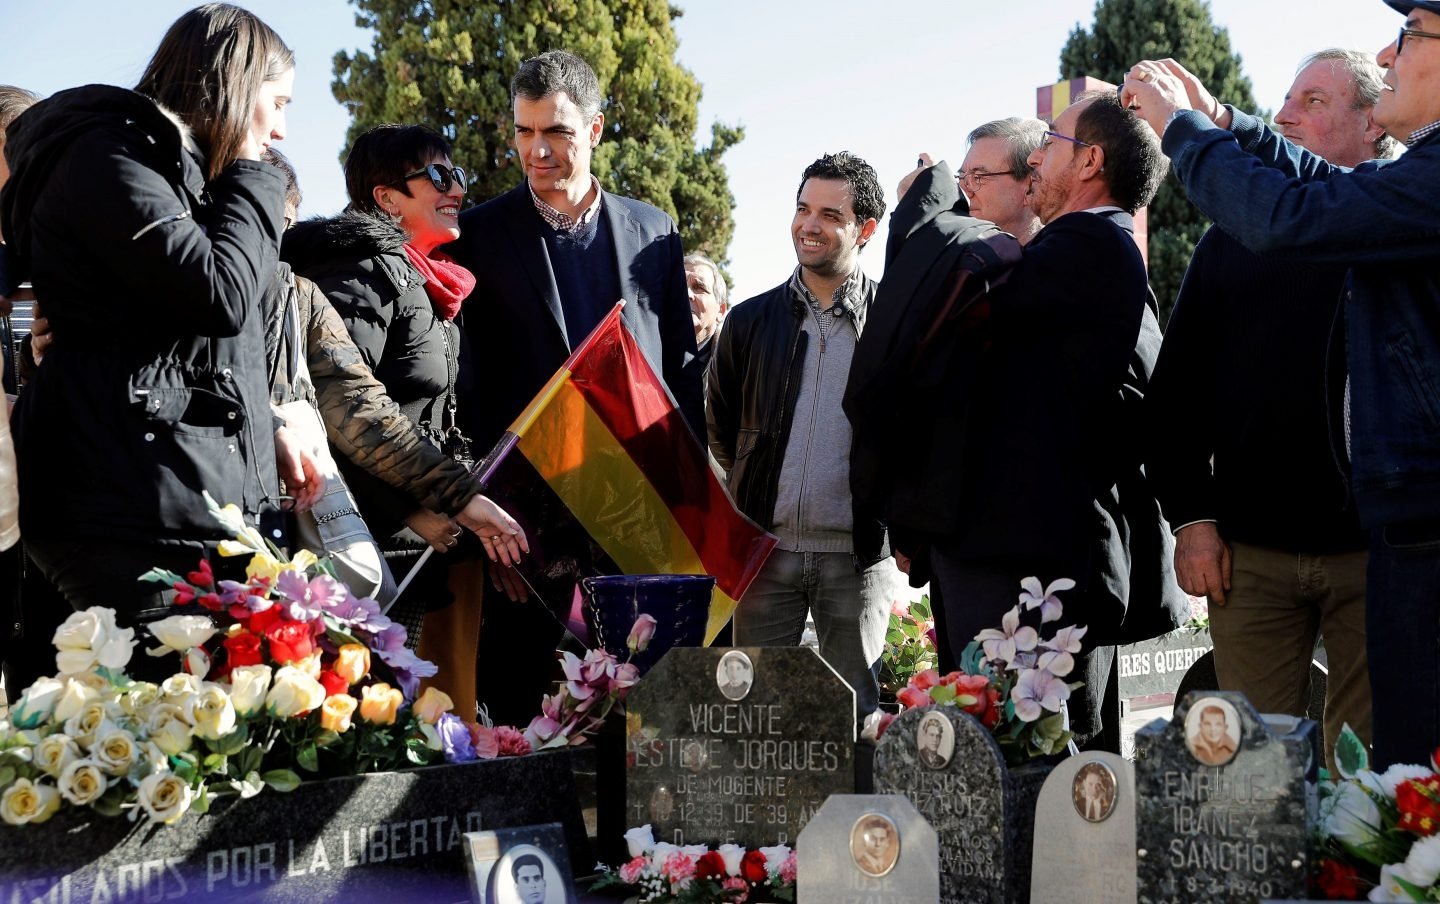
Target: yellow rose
(164, 797)
(168, 729)
(115, 751)
(138, 700)
(56, 752)
(264, 565)
(310, 665)
(179, 686)
(336, 711)
(73, 698)
(353, 662)
(293, 692)
(248, 685)
(82, 783)
(380, 703)
(432, 705)
(25, 802)
(211, 712)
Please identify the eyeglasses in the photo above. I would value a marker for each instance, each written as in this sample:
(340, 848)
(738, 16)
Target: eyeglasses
(1044, 145)
(440, 177)
(977, 177)
(1411, 33)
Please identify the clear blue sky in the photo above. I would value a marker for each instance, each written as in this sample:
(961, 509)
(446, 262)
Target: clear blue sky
(883, 79)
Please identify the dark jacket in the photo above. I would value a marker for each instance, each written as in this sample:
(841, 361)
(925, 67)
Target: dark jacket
(152, 280)
(1382, 222)
(362, 422)
(515, 322)
(751, 387)
(1242, 381)
(357, 260)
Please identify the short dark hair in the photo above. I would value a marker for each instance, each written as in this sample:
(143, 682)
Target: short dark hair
(383, 155)
(525, 860)
(1134, 163)
(292, 181)
(866, 195)
(555, 71)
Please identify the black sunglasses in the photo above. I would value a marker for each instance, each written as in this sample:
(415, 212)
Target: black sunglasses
(440, 177)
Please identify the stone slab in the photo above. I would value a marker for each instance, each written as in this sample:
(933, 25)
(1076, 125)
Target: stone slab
(870, 848)
(1085, 832)
(504, 864)
(1157, 666)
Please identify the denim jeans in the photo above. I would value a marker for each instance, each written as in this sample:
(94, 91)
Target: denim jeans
(1402, 620)
(851, 610)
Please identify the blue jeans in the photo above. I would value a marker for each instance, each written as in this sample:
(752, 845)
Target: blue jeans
(1402, 626)
(851, 609)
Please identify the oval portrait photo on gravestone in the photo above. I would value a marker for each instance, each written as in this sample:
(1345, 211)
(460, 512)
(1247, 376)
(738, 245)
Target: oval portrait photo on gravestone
(935, 740)
(1094, 791)
(527, 875)
(874, 844)
(735, 674)
(1212, 731)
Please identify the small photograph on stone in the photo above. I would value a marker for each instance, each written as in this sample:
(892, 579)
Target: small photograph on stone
(735, 674)
(935, 739)
(874, 844)
(1212, 731)
(1094, 792)
(527, 875)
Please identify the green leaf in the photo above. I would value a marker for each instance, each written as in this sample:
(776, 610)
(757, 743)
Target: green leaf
(7, 775)
(232, 743)
(161, 576)
(110, 802)
(943, 693)
(1350, 754)
(282, 779)
(921, 608)
(326, 737)
(307, 758)
(201, 803)
(251, 785)
(895, 636)
(215, 762)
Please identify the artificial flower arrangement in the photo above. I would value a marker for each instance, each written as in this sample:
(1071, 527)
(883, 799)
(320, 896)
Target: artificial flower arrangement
(909, 645)
(284, 675)
(695, 874)
(1011, 679)
(1378, 831)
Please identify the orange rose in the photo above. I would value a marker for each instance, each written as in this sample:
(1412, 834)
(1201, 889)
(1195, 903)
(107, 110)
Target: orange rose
(353, 663)
(379, 703)
(336, 711)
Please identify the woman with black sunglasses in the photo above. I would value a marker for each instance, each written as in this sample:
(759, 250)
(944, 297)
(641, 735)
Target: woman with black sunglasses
(380, 265)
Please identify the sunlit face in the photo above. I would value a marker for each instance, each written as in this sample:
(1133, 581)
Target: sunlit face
(555, 141)
(530, 882)
(430, 217)
(1212, 726)
(997, 198)
(1319, 115)
(704, 302)
(267, 120)
(825, 230)
(1056, 164)
(1410, 100)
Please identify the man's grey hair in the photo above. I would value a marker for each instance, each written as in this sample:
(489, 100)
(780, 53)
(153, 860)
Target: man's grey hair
(555, 71)
(722, 291)
(1022, 136)
(1368, 78)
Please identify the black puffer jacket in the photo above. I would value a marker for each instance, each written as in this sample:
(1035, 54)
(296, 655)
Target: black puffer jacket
(152, 280)
(358, 261)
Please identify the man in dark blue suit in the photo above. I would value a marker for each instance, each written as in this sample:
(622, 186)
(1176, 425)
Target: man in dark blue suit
(551, 257)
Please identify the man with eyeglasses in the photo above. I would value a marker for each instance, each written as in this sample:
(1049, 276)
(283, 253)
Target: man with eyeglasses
(1381, 220)
(995, 174)
(1269, 533)
(551, 257)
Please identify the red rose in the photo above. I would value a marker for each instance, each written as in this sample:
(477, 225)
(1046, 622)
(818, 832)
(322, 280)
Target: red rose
(1339, 881)
(290, 641)
(333, 683)
(242, 649)
(992, 715)
(710, 866)
(1419, 803)
(925, 680)
(202, 576)
(752, 866)
(912, 697)
(259, 622)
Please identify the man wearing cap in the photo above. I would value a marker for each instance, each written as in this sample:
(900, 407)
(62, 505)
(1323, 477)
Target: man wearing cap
(1382, 220)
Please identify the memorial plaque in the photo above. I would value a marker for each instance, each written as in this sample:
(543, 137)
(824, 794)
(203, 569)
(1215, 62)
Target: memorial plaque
(1225, 803)
(737, 746)
(951, 769)
(524, 865)
(1085, 832)
(871, 848)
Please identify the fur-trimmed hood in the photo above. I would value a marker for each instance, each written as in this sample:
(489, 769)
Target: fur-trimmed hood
(351, 235)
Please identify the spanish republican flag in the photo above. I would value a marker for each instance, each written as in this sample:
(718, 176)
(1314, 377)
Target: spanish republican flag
(606, 478)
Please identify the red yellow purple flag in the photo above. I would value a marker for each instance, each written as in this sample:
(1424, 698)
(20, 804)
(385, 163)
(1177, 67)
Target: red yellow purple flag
(606, 478)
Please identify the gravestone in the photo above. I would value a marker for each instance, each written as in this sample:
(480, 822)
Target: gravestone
(1225, 803)
(981, 810)
(737, 745)
(505, 863)
(874, 848)
(1085, 832)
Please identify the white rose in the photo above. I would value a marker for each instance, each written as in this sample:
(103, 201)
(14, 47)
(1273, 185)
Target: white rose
(56, 752)
(775, 858)
(115, 751)
(92, 680)
(92, 638)
(179, 633)
(732, 854)
(37, 703)
(164, 797)
(695, 851)
(179, 686)
(248, 686)
(293, 692)
(211, 712)
(1388, 889)
(25, 802)
(82, 783)
(1392, 778)
(137, 701)
(640, 841)
(1350, 815)
(168, 729)
(90, 722)
(1423, 862)
(73, 699)
(661, 852)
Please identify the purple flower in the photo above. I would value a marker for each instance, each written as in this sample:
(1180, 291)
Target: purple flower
(234, 593)
(1009, 640)
(309, 598)
(1036, 691)
(363, 614)
(408, 667)
(641, 633)
(455, 738)
(1032, 595)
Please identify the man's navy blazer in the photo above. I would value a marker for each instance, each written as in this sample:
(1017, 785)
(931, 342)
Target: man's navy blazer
(514, 324)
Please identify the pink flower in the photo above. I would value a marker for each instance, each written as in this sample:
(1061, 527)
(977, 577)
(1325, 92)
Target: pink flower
(630, 872)
(884, 723)
(787, 869)
(925, 680)
(512, 741)
(912, 697)
(679, 869)
(1032, 595)
(1036, 691)
(625, 677)
(900, 609)
(736, 890)
(1010, 639)
(487, 745)
(641, 633)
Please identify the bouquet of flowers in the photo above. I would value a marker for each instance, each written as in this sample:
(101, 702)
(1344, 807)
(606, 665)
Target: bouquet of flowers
(1378, 831)
(1012, 679)
(909, 645)
(695, 874)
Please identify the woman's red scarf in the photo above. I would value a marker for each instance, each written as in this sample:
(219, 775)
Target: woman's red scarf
(446, 282)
